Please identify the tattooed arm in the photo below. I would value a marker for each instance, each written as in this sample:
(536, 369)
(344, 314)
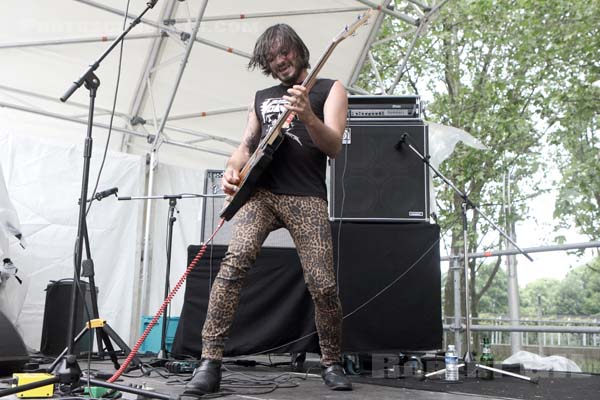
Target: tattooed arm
(231, 177)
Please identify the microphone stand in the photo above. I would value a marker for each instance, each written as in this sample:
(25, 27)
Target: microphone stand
(466, 205)
(104, 333)
(67, 371)
(163, 354)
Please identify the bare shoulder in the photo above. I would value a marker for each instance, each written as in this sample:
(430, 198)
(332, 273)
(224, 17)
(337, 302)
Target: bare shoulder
(337, 98)
(252, 132)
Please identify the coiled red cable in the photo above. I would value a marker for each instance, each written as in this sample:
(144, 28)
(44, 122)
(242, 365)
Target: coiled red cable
(164, 305)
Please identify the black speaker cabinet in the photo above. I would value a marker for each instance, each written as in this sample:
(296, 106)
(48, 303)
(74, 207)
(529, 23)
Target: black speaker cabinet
(13, 353)
(375, 177)
(55, 327)
(210, 216)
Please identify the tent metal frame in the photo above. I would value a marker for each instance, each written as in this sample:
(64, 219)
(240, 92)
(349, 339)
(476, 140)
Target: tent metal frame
(136, 125)
(157, 133)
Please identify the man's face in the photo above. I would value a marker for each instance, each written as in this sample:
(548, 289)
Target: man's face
(284, 64)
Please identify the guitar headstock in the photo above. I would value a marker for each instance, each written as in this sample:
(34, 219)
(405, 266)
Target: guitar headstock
(350, 29)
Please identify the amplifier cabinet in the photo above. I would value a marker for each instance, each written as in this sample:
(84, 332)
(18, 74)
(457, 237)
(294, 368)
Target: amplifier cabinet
(211, 208)
(376, 177)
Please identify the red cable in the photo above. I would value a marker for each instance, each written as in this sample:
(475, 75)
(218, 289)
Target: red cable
(164, 305)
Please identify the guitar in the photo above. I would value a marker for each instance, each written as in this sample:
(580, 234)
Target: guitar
(262, 156)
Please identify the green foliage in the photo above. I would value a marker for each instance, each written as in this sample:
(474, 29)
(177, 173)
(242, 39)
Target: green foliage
(516, 75)
(494, 300)
(577, 294)
(547, 291)
(573, 111)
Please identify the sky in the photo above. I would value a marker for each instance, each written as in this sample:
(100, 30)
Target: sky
(554, 264)
(537, 231)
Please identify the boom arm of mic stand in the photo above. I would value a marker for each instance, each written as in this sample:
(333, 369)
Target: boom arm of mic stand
(88, 73)
(168, 196)
(468, 202)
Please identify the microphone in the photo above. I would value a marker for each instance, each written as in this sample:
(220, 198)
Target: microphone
(100, 195)
(398, 146)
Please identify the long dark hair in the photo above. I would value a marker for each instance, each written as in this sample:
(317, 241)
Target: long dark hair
(284, 36)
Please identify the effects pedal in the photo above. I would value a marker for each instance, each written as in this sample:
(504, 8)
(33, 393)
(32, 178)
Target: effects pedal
(181, 367)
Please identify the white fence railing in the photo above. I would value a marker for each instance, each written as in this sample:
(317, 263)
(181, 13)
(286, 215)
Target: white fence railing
(568, 332)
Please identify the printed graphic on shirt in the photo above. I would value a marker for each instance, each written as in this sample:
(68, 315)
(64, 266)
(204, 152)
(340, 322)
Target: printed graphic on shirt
(270, 110)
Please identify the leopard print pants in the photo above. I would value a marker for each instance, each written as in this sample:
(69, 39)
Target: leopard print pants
(306, 219)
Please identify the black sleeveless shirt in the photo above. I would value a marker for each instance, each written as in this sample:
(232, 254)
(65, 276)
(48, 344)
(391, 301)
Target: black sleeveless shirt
(298, 166)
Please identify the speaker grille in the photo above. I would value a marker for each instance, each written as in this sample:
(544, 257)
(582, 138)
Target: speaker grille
(212, 208)
(376, 179)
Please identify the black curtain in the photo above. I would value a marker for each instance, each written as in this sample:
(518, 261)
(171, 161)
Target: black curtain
(389, 282)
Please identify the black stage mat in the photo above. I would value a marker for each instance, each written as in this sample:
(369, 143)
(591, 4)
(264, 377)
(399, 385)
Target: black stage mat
(551, 386)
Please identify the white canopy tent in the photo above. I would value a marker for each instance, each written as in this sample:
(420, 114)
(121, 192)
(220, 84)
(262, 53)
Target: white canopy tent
(200, 88)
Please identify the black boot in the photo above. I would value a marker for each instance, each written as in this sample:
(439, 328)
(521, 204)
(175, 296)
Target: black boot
(206, 378)
(335, 378)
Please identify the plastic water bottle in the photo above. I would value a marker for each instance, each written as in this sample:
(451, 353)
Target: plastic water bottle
(451, 360)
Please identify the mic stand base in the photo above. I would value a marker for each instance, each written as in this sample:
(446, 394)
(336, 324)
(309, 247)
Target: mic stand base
(473, 366)
(67, 372)
(106, 334)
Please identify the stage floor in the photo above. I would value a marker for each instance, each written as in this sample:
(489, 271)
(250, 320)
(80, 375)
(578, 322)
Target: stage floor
(273, 379)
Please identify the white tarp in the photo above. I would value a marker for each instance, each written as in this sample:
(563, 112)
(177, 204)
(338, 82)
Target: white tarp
(44, 177)
(215, 79)
(44, 182)
(532, 361)
(186, 231)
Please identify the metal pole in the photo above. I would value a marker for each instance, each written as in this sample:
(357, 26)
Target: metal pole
(202, 135)
(273, 14)
(511, 267)
(114, 128)
(152, 56)
(539, 249)
(151, 61)
(154, 159)
(468, 356)
(376, 73)
(75, 41)
(393, 13)
(207, 113)
(422, 23)
(411, 47)
(539, 315)
(365, 50)
(55, 100)
(179, 76)
(146, 253)
(533, 328)
(166, 28)
(455, 267)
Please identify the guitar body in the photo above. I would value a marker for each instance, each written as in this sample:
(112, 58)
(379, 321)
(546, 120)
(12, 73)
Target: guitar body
(249, 177)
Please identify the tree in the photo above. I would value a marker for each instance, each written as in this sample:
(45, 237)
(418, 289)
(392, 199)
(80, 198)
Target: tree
(494, 69)
(577, 294)
(572, 112)
(492, 300)
(546, 290)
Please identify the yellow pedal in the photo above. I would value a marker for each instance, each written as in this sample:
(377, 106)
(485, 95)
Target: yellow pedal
(25, 378)
(96, 323)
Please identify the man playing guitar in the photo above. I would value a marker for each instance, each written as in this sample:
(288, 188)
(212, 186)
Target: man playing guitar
(290, 193)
